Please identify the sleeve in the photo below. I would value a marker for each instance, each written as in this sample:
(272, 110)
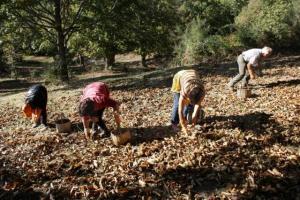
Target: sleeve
(176, 87)
(27, 110)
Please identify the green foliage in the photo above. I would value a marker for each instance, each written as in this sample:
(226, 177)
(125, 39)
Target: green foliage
(209, 30)
(197, 44)
(3, 64)
(122, 26)
(45, 47)
(35, 74)
(55, 21)
(50, 74)
(153, 26)
(266, 22)
(216, 15)
(196, 29)
(109, 27)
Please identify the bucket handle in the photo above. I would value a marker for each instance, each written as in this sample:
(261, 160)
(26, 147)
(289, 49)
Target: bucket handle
(60, 116)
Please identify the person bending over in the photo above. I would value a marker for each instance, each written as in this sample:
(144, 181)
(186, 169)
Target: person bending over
(188, 92)
(248, 61)
(94, 100)
(36, 105)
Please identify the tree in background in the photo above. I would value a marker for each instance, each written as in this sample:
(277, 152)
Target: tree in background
(55, 19)
(266, 22)
(2, 57)
(124, 26)
(153, 27)
(208, 30)
(108, 30)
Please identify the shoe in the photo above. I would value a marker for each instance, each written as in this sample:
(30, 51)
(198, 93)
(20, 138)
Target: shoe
(95, 128)
(175, 128)
(44, 127)
(104, 133)
(36, 125)
(230, 88)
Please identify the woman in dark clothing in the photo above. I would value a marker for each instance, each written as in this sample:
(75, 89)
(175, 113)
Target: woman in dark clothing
(36, 104)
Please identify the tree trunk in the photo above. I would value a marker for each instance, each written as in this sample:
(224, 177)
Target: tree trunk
(61, 39)
(81, 61)
(144, 60)
(110, 60)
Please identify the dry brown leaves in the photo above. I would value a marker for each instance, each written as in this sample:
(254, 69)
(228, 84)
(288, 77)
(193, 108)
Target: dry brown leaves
(243, 149)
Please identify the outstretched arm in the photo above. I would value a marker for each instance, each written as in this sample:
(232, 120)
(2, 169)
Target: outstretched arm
(251, 71)
(85, 123)
(197, 109)
(117, 114)
(183, 122)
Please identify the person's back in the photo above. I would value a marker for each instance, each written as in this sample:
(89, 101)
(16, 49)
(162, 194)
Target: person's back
(252, 55)
(36, 96)
(94, 100)
(188, 94)
(247, 62)
(97, 92)
(188, 80)
(35, 105)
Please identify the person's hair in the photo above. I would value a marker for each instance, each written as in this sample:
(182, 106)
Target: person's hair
(196, 94)
(86, 108)
(267, 50)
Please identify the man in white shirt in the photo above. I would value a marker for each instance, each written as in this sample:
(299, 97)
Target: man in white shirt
(247, 62)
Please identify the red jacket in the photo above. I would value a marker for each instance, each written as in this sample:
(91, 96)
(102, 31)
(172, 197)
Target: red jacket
(98, 92)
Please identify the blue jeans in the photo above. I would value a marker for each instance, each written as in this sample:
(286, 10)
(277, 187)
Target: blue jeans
(186, 110)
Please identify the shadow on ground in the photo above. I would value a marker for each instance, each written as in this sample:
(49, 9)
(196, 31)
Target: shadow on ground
(281, 83)
(148, 134)
(257, 122)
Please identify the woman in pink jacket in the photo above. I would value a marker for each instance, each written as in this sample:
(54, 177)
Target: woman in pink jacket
(93, 102)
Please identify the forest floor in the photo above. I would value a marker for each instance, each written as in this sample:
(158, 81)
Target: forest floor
(243, 149)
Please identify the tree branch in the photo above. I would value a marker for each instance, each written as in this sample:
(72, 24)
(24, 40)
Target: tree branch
(32, 12)
(45, 9)
(69, 29)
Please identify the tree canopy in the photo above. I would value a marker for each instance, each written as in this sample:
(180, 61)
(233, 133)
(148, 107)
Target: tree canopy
(188, 30)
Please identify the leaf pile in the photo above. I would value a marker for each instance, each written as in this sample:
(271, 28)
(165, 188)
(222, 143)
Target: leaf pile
(243, 149)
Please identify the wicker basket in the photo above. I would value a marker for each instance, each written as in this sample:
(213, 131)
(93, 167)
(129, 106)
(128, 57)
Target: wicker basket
(243, 93)
(63, 125)
(121, 136)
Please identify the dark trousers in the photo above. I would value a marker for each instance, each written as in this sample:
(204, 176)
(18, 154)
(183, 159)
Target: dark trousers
(243, 73)
(43, 117)
(186, 110)
(100, 122)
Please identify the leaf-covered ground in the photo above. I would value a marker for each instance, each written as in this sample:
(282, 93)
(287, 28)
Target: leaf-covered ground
(242, 150)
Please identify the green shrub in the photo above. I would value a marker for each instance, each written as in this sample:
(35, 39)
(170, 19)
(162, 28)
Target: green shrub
(3, 64)
(45, 48)
(197, 45)
(35, 73)
(267, 22)
(51, 74)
